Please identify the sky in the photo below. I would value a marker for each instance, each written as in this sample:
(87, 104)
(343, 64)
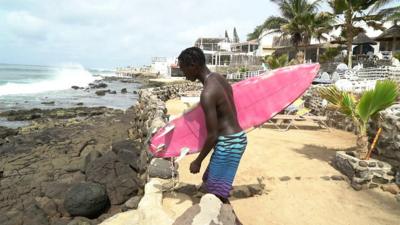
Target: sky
(105, 34)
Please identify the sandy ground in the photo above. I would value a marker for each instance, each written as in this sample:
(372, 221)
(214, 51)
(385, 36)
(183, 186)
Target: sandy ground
(303, 155)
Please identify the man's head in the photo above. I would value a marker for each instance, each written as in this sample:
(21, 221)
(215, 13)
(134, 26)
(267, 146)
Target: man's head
(192, 61)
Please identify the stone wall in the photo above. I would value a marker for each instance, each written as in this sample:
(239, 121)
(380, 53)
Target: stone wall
(151, 107)
(388, 147)
(364, 174)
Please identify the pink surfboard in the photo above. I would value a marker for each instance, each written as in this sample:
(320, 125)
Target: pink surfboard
(257, 100)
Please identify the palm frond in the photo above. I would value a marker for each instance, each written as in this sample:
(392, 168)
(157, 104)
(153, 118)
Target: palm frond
(331, 94)
(274, 22)
(342, 101)
(379, 4)
(384, 95)
(390, 14)
(347, 104)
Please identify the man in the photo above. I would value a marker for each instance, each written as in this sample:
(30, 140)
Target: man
(224, 133)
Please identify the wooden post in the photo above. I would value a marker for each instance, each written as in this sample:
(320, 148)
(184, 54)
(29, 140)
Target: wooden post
(373, 143)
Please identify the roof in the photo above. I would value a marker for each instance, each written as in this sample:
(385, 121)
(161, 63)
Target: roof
(209, 40)
(362, 38)
(392, 32)
(251, 42)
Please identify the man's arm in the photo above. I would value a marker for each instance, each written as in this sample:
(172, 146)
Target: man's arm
(208, 103)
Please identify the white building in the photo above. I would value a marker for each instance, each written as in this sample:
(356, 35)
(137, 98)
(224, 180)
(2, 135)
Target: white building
(163, 66)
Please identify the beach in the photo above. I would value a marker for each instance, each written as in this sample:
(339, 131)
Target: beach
(301, 184)
(284, 177)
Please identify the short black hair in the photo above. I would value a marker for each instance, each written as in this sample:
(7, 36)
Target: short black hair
(192, 56)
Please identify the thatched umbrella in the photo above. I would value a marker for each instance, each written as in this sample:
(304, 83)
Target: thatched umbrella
(391, 34)
(363, 42)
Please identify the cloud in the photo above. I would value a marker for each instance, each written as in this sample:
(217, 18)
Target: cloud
(102, 33)
(26, 25)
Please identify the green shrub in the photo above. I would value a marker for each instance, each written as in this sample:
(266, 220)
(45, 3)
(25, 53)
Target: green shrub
(397, 55)
(274, 61)
(329, 55)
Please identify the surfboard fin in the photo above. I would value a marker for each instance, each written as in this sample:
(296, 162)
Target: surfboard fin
(160, 148)
(167, 129)
(184, 152)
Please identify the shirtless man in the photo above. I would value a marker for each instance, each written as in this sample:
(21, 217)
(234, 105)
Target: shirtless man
(224, 133)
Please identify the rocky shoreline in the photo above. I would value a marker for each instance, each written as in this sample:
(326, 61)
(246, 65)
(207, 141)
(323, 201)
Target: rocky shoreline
(66, 156)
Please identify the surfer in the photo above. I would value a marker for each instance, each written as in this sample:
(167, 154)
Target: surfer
(224, 133)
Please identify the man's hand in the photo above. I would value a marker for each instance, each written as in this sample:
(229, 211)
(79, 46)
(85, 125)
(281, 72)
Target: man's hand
(195, 166)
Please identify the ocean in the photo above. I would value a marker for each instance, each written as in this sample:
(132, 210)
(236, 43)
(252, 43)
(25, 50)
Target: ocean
(29, 86)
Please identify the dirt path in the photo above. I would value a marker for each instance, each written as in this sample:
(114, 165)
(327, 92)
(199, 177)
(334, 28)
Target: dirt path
(295, 167)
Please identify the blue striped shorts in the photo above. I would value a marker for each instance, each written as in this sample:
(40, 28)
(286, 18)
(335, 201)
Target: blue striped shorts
(224, 162)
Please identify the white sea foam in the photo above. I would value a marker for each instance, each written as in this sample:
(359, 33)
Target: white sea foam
(64, 78)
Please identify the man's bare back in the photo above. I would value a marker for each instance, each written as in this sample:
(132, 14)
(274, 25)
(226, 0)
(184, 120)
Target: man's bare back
(218, 89)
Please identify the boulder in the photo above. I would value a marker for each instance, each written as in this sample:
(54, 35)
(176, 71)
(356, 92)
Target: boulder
(86, 199)
(124, 91)
(48, 103)
(131, 153)
(209, 211)
(99, 85)
(120, 180)
(47, 205)
(150, 210)
(80, 221)
(11, 218)
(161, 168)
(392, 188)
(5, 132)
(33, 215)
(133, 202)
(88, 158)
(101, 92)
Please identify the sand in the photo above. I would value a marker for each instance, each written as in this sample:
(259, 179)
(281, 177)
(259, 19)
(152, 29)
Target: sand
(303, 155)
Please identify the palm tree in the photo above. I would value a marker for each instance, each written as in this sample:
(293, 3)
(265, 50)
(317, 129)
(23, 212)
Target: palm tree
(299, 22)
(355, 11)
(362, 108)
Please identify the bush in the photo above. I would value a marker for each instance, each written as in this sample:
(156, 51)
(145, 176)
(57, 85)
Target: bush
(274, 61)
(243, 69)
(329, 55)
(397, 55)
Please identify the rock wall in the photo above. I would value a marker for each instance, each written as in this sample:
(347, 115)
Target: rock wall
(152, 110)
(388, 147)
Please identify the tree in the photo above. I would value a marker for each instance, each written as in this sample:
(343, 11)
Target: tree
(226, 36)
(299, 21)
(354, 11)
(235, 36)
(364, 108)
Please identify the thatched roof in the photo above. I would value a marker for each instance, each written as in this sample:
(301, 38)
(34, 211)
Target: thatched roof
(362, 38)
(390, 33)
